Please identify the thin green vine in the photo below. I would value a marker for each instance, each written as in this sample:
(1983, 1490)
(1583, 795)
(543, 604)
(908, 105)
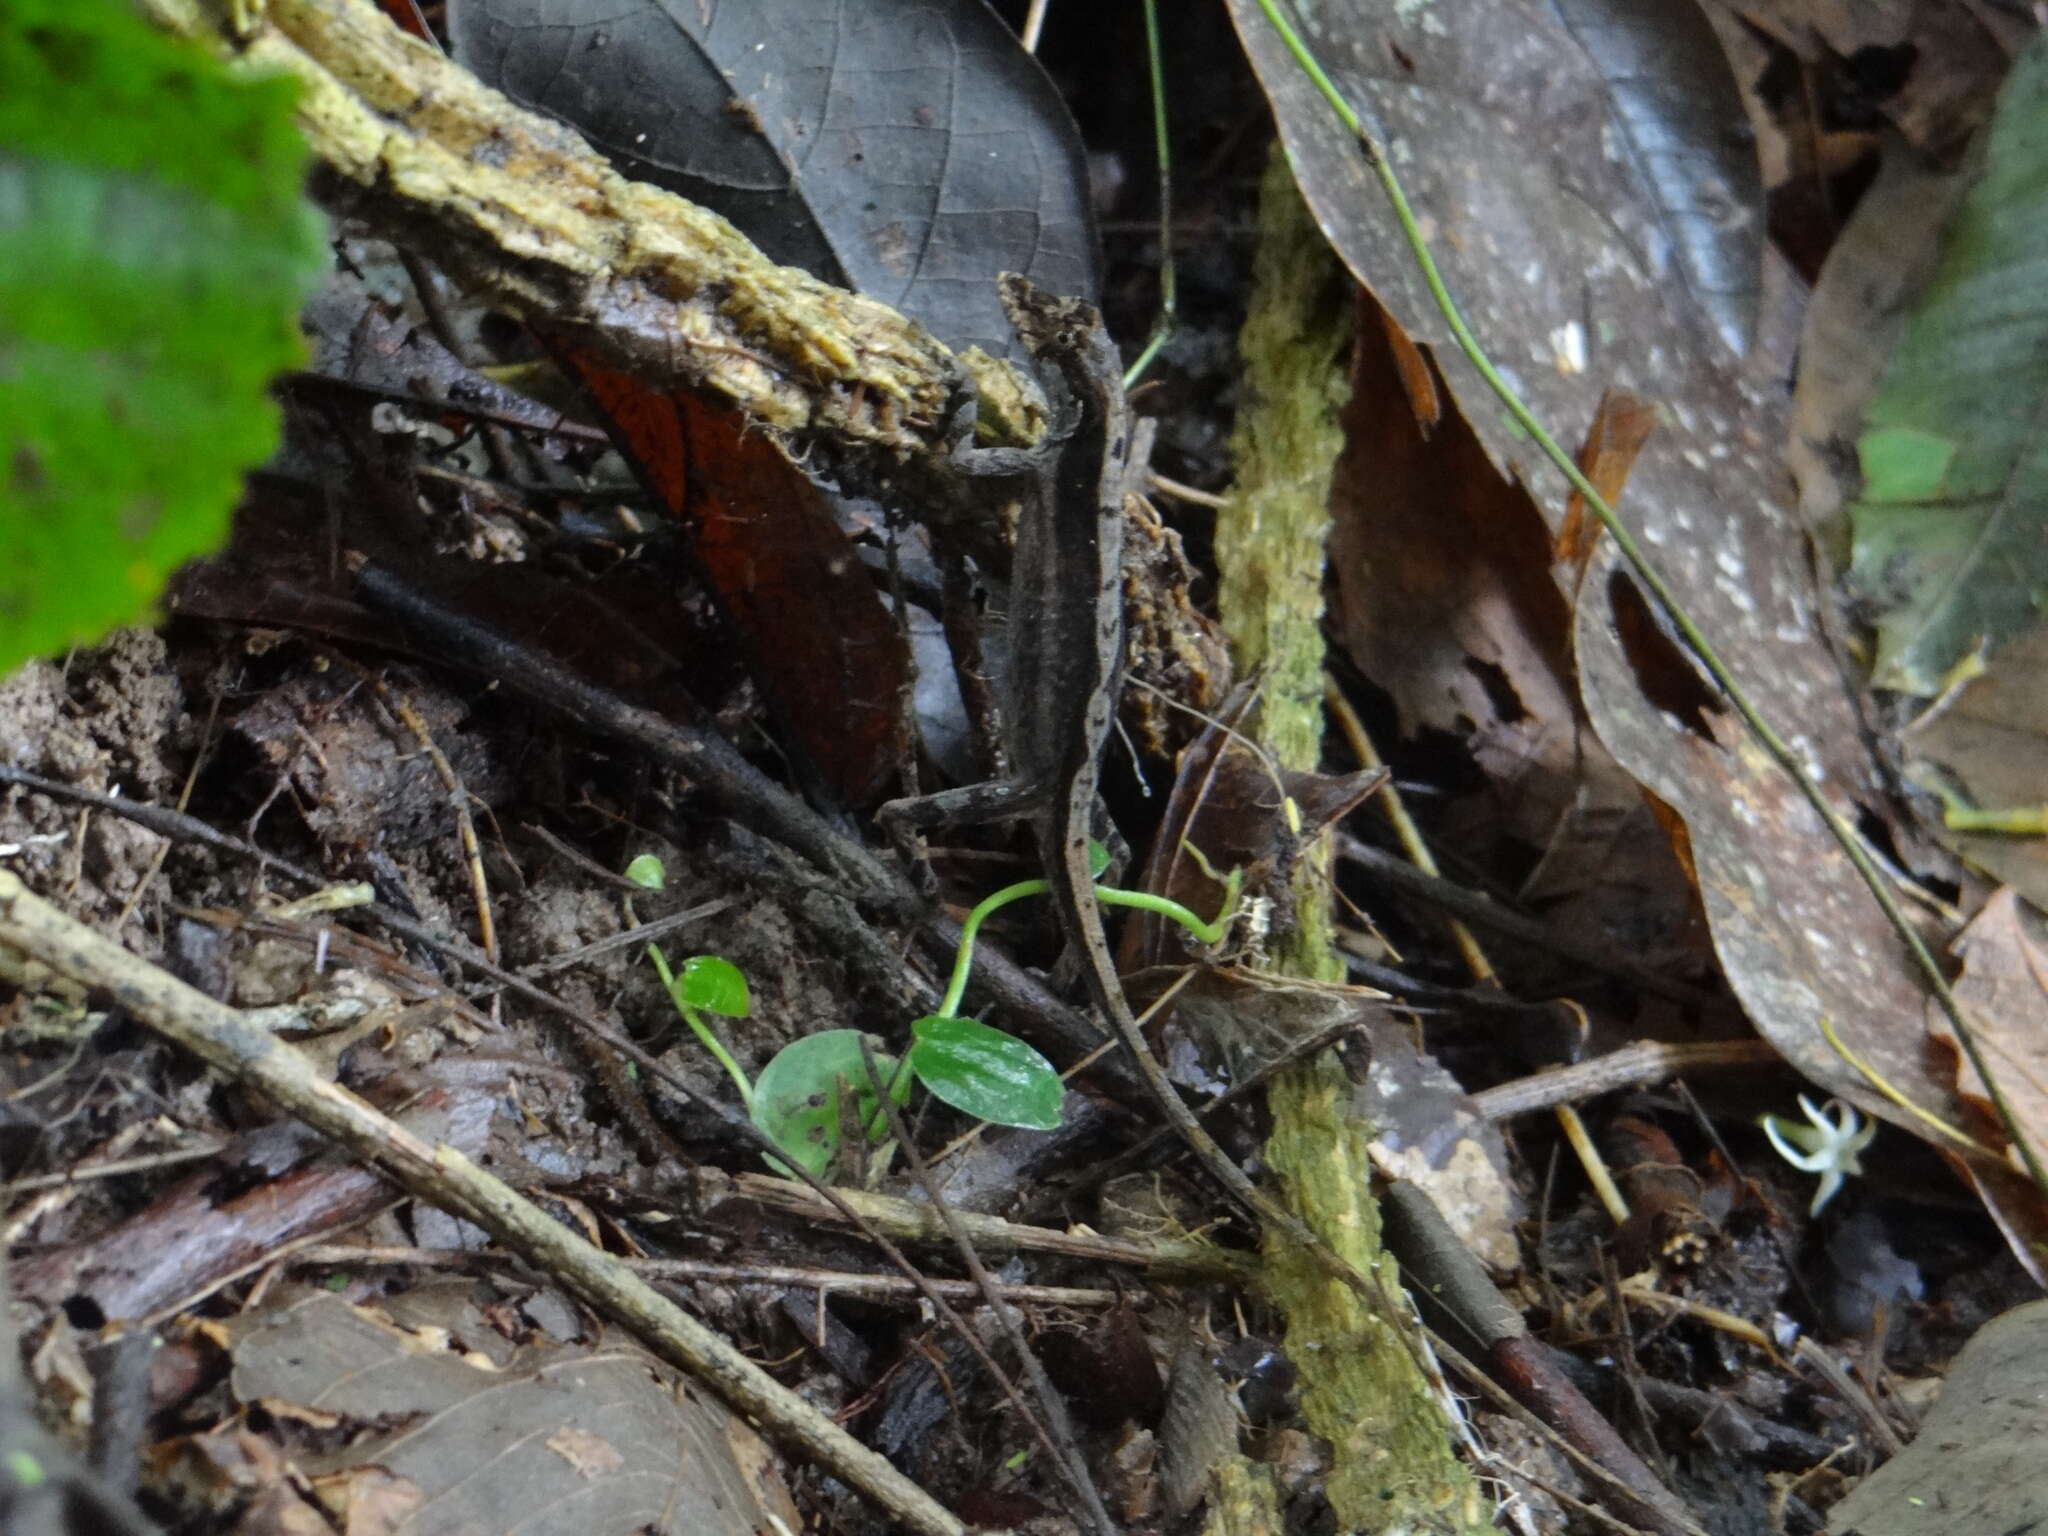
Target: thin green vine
(1205, 932)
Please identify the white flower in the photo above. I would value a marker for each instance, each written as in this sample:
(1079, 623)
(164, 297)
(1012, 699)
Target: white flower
(1832, 1146)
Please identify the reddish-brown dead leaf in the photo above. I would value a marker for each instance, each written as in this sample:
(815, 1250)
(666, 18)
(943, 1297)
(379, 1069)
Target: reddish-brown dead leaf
(1621, 425)
(1417, 377)
(817, 636)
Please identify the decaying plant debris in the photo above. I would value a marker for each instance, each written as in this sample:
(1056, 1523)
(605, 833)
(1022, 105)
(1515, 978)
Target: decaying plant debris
(336, 1067)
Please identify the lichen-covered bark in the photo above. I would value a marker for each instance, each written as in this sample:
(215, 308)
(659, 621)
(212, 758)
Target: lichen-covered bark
(1395, 1469)
(519, 207)
(1243, 1501)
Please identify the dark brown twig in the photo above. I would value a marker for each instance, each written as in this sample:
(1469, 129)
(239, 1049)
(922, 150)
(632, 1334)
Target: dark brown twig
(1476, 908)
(694, 749)
(1138, 1151)
(1453, 1285)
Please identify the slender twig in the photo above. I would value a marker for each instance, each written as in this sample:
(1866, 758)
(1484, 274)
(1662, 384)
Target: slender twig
(695, 749)
(1632, 1066)
(1182, 1258)
(113, 1168)
(645, 933)
(1406, 832)
(1162, 143)
(1096, 1175)
(458, 805)
(842, 1204)
(1482, 910)
(1050, 1426)
(837, 1282)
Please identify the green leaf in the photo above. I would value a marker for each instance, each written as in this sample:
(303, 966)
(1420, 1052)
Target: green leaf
(1951, 530)
(1098, 859)
(716, 985)
(154, 249)
(648, 872)
(796, 1097)
(985, 1073)
(1902, 464)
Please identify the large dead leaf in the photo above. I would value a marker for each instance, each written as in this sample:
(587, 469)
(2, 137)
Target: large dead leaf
(1679, 117)
(899, 148)
(1799, 937)
(1986, 743)
(484, 1436)
(1501, 130)
(804, 611)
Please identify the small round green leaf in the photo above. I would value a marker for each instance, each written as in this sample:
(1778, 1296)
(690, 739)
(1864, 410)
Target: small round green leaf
(715, 985)
(985, 1073)
(648, 872)
(1098, 859)
(796, 1097)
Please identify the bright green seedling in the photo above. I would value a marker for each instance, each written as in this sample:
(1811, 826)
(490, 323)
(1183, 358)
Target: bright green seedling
(818, 1086)
(1109, 896)
(708, 984)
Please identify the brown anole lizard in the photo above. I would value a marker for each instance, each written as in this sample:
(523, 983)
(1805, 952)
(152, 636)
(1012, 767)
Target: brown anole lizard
(1066, 669)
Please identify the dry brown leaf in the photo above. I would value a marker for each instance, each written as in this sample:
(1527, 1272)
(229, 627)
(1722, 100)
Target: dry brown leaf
(1447, 601)
(1878, 262)
(2004, 992)
(624, 1446)
(1800, 940)
(1987, 742)
(1948, 55)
